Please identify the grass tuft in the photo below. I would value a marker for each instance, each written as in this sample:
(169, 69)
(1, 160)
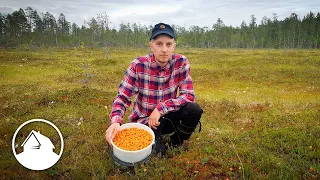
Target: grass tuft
(261, 113)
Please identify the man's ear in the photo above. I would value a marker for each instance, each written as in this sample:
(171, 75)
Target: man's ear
(150, 45)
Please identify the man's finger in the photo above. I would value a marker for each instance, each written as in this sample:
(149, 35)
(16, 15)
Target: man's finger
(157, 123)
(154, 126)
(149, 124)
(115, 131)
(107, 133)
(110, 136)
(110, 133)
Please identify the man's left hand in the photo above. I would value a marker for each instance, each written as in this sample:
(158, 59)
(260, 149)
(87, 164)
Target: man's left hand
(154, 119)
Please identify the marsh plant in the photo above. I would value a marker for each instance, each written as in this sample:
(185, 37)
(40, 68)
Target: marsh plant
(261, 113)
(79, 66)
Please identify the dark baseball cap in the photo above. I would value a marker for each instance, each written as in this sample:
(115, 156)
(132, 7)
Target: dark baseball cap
(162, 28)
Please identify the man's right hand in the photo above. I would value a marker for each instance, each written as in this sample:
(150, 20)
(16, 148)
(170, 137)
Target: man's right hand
(154, 119)
(112, 130)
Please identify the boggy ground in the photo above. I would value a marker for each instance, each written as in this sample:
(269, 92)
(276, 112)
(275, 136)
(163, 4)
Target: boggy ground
(261, 113)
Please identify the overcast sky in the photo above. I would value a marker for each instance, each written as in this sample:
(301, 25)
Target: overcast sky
(180, 12)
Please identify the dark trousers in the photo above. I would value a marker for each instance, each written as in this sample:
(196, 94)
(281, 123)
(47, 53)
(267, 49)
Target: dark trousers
(182, 122)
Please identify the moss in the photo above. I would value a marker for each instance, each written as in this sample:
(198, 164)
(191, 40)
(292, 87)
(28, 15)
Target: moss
(261, 113)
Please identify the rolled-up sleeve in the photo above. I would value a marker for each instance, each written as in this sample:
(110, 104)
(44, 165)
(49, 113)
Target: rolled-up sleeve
(126, 90)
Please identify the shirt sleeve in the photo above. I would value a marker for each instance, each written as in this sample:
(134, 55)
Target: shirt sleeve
(186, 92)
(127, 88)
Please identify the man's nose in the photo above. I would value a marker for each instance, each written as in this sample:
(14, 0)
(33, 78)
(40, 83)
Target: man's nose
(164, 49)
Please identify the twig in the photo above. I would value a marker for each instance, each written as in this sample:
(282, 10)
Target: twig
(4, 115)
(68, 177)
(88, 149)
(238, 158)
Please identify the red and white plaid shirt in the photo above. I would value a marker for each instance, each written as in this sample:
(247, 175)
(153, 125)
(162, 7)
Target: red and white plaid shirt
(155, 87)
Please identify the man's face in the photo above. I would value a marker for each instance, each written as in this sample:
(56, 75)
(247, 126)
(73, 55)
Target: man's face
(162, 47)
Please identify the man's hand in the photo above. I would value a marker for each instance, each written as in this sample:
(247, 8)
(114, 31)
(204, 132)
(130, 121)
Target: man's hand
(154, 119)
(112, 130)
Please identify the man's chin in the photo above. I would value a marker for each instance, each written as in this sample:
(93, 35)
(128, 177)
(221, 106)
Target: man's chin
(163, 61)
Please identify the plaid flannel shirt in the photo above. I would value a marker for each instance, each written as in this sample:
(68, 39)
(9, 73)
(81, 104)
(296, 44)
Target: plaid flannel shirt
(167, 88)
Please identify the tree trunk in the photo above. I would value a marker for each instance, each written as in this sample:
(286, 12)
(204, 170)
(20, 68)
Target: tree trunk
(57, 45)
(294, 33)
(316, 43)
(298, 44)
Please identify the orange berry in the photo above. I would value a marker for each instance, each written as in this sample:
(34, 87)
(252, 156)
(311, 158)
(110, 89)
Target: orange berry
(311, 169)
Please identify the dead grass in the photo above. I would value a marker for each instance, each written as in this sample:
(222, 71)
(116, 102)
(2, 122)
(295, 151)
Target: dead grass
(261, 113)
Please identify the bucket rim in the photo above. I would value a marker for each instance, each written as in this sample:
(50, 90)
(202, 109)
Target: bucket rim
(140, 150)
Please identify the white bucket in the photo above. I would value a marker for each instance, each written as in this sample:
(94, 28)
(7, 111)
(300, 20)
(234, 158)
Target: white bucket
(133, 156)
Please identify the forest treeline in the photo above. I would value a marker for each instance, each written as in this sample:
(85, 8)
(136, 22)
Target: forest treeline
(29, 28)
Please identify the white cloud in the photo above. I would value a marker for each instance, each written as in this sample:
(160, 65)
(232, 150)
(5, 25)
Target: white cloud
(6, 10)
(179, 12)
(143, 10)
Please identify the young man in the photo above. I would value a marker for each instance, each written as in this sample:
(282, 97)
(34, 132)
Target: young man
(165, 94)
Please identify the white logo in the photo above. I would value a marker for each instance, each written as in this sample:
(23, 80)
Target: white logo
(38, 150)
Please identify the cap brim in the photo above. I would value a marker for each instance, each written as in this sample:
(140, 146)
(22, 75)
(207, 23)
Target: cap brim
(162, 32)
